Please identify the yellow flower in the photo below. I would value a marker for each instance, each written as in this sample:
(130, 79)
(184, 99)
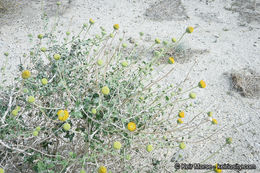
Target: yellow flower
(91, 21)
(149, 148)
(100, 62)
(93, 111)
(105, 90)
(35, 133)
(182, 145)
(179, 121)
(117, 145)
(102, 169)
(44, 81)
(26, 74)
(43, 49)
(82, 171)
(131, 126)
(116, 26)
(56, 56)
(202, 84)
(192, 95)
(210, 114)
(181, 114)
(157, 41)
(124, 63)
(2, 170)
(217, 170)
(31, 99)
(189, 29)
(66, 126)
(15, 112)
(171, 60)
(40, 36)
(174, 40)
(63, 115)
(214, 121)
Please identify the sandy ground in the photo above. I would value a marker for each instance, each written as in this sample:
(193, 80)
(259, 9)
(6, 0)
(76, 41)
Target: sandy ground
(226, 40)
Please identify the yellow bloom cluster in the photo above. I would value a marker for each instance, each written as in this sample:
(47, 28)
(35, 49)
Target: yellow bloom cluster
(217, 170)
(102, 169)
(63, 115)
(179, 121)
(131, 126)
(116, 26)
(214, 121)
(26, 74)
(189, 29)
(202, 84)
(181, 114)
(171, 60)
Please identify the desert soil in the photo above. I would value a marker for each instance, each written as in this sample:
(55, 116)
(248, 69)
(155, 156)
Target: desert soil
(226, 42)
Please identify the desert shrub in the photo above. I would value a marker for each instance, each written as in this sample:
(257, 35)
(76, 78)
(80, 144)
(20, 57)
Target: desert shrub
(93, 103)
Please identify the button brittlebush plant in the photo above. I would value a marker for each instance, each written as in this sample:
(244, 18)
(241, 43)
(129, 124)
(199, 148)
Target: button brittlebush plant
(84, 95)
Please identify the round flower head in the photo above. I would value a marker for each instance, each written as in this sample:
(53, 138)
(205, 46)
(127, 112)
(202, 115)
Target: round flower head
(40, 36)
(93, 111)
(58, 3)
(44, 81)
(66, 126)
(15, 112)
(202, 84)
(179, 121)
(31, 99)
(100, 62)
(102, 169)
(63, 115)
(91, 21)
(131, 126)
(105, 90)
(165, 43)
(6, 53)
(217, 169)
(2, 170)
(210, 114)
(181, 114)
(214, 121)
(82, 171)
(116, 26)
(124, 45)
(157, 41)
(229, 140)
(26, 74)
(68, 33)
(117, 145)
(149, 148)
(174, 40)
(182, 145)
(171, 60)
(38, 128)
(56, 56)
(189, 29)
(111, 35)
(192, 95)
(18, 108)
(43, 49)
(35, 133)
(124, 63)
